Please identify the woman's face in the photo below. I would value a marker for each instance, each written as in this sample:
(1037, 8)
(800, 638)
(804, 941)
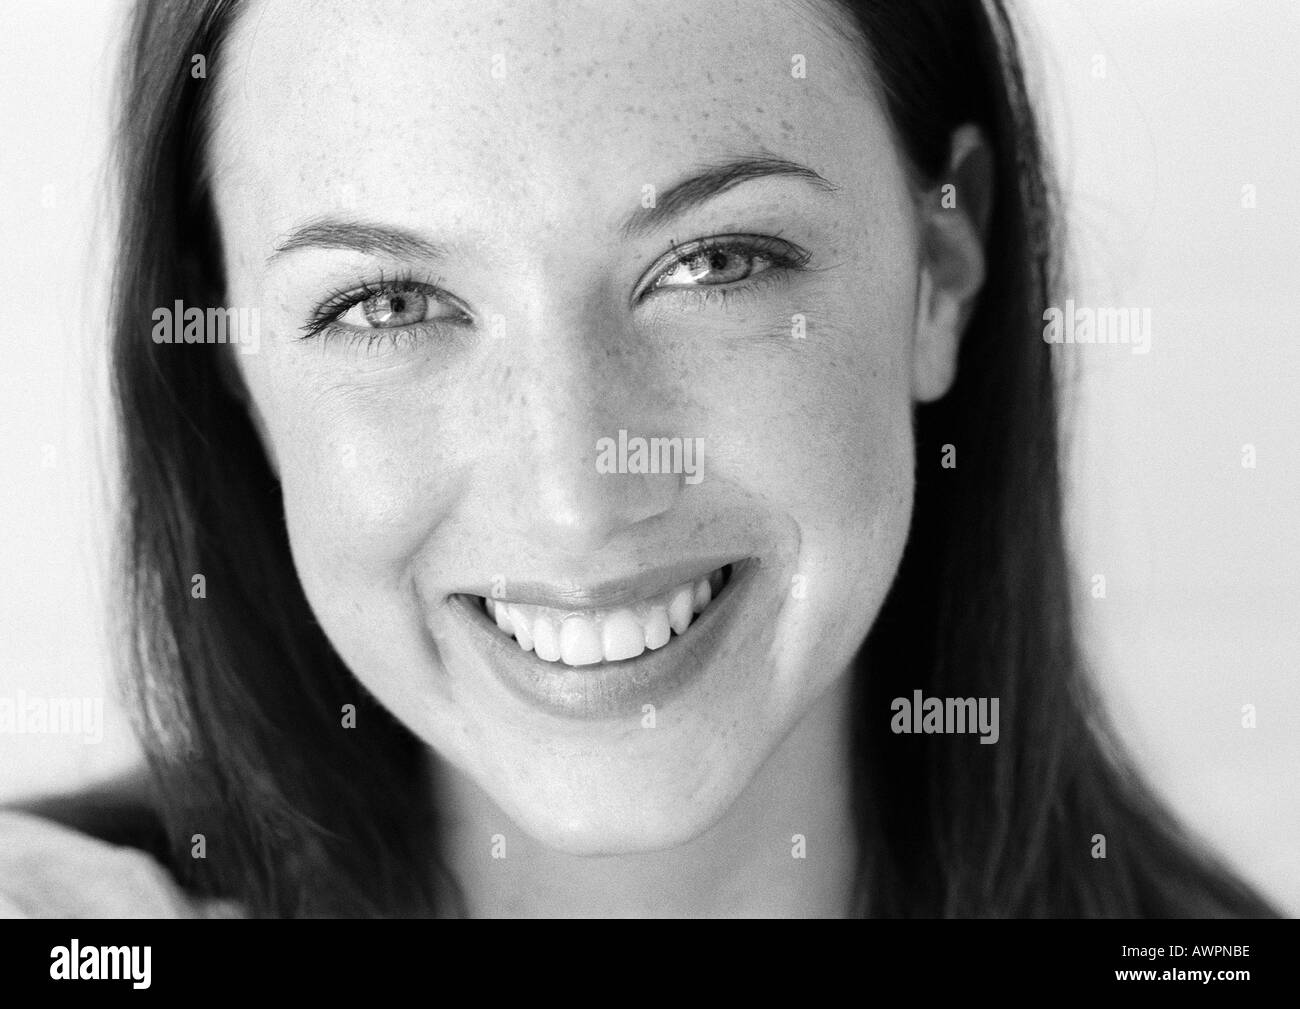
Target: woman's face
(473, 235)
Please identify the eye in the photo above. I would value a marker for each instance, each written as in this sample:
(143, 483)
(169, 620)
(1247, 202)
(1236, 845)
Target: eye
(393, 308)
(721, 261)
(714, 266)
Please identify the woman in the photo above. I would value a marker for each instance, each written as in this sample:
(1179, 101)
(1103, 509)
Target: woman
(634, 486)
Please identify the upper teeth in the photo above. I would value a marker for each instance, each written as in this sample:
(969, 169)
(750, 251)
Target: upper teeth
(590, 636)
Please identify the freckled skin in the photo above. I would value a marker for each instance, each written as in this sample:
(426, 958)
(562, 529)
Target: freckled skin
(410, 474)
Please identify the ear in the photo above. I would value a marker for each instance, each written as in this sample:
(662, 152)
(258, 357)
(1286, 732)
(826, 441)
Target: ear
(954, 218)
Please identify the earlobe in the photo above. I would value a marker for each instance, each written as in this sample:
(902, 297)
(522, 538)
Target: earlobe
(953, 218)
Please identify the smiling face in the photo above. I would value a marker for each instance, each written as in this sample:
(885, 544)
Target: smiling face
(485, 241)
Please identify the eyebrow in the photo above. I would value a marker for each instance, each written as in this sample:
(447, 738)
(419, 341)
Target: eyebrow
(354, 236)
(713, 181)
(691, 192)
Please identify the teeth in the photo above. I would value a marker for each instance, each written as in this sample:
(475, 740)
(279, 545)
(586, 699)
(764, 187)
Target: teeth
(523, 628)
(656, 628)
(680, 610)
(545, 641)
(623, 636)
(580, 642)
(583, 639)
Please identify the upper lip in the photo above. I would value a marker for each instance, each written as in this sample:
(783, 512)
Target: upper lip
(609, 593)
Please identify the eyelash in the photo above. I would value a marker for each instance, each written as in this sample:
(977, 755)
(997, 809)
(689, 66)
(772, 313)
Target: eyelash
(783, 257)
(324, 320)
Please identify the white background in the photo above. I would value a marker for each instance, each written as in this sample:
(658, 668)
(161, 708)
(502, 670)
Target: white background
(1161, 113)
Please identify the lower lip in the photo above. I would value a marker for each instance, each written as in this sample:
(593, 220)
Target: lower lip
(611, 689)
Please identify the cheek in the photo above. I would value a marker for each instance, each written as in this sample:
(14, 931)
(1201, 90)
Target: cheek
(360, 491)
(847, 486)
(821, 430)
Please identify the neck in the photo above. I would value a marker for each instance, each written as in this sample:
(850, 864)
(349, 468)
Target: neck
(786, 848)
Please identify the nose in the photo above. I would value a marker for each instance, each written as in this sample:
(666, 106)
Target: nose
(579, 403)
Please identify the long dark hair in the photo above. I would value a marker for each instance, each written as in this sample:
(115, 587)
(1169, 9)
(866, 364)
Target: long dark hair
(240, 696)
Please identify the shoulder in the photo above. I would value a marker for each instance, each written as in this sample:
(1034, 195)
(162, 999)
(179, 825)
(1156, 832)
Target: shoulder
(77, 857)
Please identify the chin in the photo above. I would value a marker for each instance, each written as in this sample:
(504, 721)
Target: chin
(593, 826)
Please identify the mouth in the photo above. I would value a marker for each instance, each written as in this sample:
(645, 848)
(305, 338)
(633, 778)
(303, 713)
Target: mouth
(587, 637)
(608, 653)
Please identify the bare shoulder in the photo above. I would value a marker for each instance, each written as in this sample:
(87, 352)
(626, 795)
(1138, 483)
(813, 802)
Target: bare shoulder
(51, 867)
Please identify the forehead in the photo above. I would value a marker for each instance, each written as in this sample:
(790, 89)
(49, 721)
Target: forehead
(396, 104)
